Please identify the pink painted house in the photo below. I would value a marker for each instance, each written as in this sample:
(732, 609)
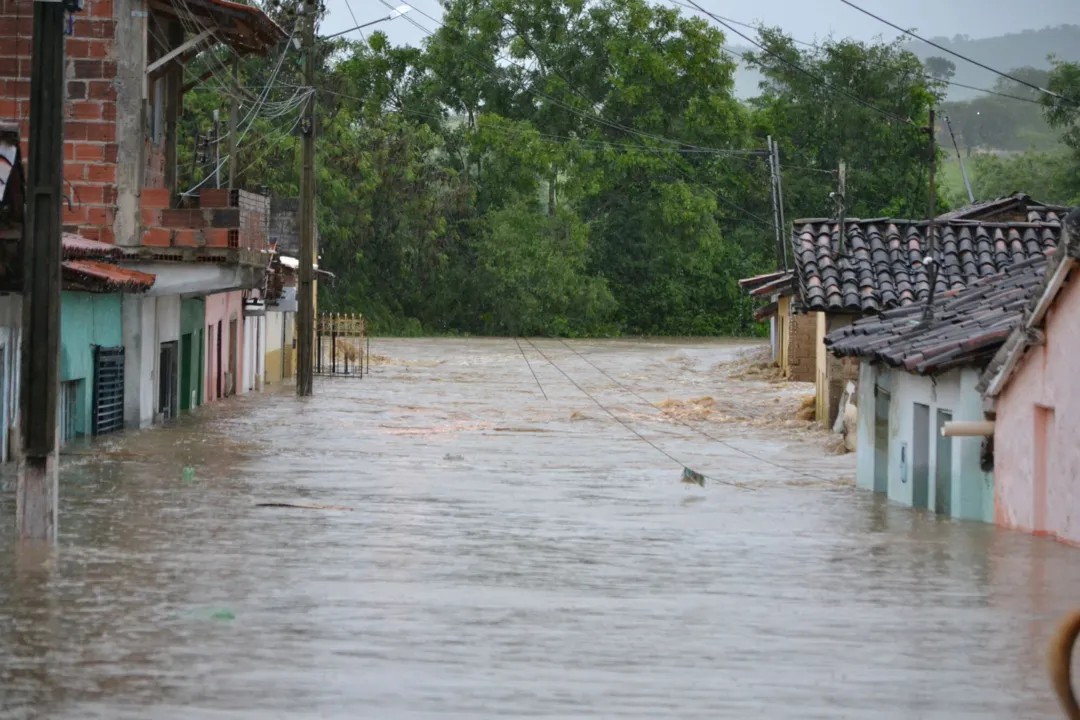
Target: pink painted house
(1034, 389)
(224, 344)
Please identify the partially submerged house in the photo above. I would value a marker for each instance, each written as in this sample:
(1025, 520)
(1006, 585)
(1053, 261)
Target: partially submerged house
(878, 265)
(1032, 391)
(791, 334)
(916, 374)
(161, 275)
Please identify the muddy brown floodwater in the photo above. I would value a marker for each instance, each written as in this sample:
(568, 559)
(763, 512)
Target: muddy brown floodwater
(511, 556)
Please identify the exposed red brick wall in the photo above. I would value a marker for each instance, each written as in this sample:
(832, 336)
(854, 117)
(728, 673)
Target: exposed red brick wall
(225, 219)
(802, 352)
(89, 114)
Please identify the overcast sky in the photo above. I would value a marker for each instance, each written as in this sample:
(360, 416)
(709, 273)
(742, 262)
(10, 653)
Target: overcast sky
(803, 19)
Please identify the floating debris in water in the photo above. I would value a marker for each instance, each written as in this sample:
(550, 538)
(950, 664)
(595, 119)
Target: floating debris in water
(188, 474)
(223, 614)
(453, 458)
(689, 477)
(304, 506)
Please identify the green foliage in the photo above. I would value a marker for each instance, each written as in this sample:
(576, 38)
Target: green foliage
(562, 168)
(1047, 177)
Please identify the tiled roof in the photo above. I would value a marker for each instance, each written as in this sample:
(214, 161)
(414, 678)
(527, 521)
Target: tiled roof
(1061, 270)
(77, 247)
(881, 265)
(967, 327)
(94, 276)
(1011, 208)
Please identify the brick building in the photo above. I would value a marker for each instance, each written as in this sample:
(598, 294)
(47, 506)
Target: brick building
(124, 90)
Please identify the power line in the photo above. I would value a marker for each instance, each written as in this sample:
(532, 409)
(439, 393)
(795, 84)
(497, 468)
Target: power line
(955, 54)
(686, 424)
(617, 419)
(819, 80)
(817, 46)
(522, 351)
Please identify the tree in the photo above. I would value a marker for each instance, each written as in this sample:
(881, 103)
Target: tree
(864, 104)
(1063, 113)
(940, 68)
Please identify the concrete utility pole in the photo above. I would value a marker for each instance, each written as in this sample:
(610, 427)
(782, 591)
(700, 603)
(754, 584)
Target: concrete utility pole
(930, 258)
(842, 205)
(776, 207)
(780, 198)
(36, 487)
(960, 157)
(305, 318)
(234, 118)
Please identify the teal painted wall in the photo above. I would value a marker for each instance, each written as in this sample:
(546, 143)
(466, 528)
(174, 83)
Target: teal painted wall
(86, 320)
(193, 320)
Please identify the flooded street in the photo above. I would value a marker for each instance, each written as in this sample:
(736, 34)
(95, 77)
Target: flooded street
(511, 555)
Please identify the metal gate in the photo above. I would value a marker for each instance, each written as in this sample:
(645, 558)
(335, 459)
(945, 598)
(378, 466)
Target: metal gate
(340, 345)
(108, 415)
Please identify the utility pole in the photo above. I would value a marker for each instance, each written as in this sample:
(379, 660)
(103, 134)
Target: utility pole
(305, 318)
(234, 117)
(963, 170)
(217, 149)
(930, 258)
(780, 199)
(775, 208)
(37, 487)
(842, 205)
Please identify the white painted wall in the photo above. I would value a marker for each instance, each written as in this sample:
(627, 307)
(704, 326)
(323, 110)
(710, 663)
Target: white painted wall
(954, 391)
(247, 383)
(260, 353)
(10, 341)
(148, 322)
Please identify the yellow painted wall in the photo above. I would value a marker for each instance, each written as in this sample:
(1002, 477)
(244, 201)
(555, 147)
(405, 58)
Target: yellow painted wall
(273, 366)
(821, 372)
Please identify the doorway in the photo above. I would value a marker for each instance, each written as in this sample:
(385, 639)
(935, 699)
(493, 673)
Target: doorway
(186, 398)
(217, 365)
(882, 400)
(168, 370)
(230, 385)
(943, 467)
(920, 460)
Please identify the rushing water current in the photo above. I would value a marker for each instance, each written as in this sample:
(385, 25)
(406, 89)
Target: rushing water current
(511, 555)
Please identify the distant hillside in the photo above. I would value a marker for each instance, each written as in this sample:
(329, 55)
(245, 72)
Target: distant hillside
(1028, 48)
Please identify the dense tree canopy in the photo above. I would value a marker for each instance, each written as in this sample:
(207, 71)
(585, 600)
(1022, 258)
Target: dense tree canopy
(568, 168)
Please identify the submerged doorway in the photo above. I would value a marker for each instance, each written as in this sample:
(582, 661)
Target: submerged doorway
(943, 469)
(920, 460)
(882, 400)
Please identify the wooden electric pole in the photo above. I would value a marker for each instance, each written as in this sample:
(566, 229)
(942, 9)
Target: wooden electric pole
(305, 318)
(36, 487)
(930, 257)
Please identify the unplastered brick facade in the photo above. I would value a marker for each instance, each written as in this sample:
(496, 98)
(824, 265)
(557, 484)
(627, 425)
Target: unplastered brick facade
(802, 352)
(224, 219)
(90, 148)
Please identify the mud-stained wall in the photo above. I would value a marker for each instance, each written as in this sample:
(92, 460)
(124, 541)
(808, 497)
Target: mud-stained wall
(831, 374)
(1036, 455)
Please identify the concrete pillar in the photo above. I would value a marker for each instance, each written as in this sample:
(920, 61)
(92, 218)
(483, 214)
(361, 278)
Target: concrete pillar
(140, 355)
(260, 378)
(131, 31)
(36, 497)
(864, 460)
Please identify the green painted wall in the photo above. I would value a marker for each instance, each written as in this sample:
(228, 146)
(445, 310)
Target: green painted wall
(192, 320)
(86, 320)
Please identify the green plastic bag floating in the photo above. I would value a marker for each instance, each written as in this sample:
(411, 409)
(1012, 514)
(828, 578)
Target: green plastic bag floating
(189, 474)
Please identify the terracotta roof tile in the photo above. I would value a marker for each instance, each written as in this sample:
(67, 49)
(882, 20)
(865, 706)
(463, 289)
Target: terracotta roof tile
(94, 276)
(967, 326)
(881, 265)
